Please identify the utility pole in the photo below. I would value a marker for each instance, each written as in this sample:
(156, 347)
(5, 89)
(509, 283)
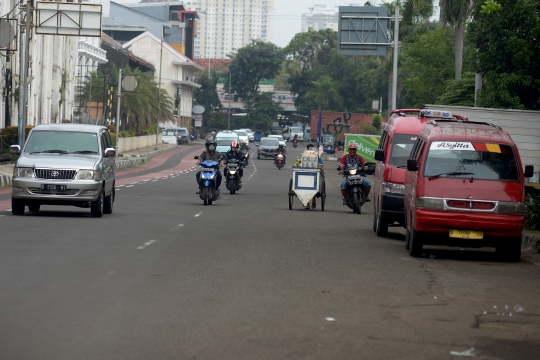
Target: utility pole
(159, 86)
(229, 115)
(396, 46)
(119, 94)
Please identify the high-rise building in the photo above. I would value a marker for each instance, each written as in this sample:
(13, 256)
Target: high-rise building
(320, 17)
(226, 25)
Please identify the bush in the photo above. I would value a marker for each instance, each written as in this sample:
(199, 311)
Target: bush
(9, 137)
(532, 212)
(376, 121)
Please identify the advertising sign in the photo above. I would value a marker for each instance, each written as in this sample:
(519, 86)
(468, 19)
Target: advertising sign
(366, 144)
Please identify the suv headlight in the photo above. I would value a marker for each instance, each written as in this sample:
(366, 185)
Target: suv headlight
(515, 208)
(429, 203)
(23, 172)
(392, 188)
(87, 175)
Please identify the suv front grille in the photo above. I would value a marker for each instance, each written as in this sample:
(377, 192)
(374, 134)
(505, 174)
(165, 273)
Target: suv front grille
(54, 174)
(38, 191)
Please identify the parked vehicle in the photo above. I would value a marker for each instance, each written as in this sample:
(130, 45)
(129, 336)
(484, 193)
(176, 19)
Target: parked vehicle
(168, 136)
(65, 164)
(307, 134)
(232, 175)
(329, 144)
(294, 130)
(182, 135)
(207, 184)
(398, 137)
(356, 197)
(224, 139)
(280, 161)
(464, 186)
(267, 147)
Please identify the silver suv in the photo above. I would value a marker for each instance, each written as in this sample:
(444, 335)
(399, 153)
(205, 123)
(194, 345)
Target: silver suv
(65, 164)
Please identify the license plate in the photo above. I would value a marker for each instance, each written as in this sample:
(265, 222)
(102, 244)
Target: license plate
(466, 234)
(53, 188)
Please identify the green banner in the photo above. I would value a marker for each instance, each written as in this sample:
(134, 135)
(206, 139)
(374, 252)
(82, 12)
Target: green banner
(366, 144)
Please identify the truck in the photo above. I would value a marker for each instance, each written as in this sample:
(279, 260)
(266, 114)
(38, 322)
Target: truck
(523, 126)
(294, 130)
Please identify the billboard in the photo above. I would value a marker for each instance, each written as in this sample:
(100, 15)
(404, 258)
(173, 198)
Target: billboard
(366, 144)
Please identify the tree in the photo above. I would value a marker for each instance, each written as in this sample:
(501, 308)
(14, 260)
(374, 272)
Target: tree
(506, 40)
(312, 47)
(262, 110)
(458, 92)
(207, 95)
(324, 91)
(427, 64)
(252, 63)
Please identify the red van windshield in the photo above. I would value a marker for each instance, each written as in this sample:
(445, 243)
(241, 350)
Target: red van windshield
(402, 145)
(482, 161)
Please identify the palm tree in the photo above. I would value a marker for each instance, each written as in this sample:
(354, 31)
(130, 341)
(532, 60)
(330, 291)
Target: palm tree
(456, 13)
(325, 91)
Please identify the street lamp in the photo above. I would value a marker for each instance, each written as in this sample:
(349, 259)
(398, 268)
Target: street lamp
(229, 115)
(159, 84)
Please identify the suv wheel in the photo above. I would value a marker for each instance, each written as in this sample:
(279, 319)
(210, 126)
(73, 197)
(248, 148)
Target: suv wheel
(96, 209)
(109, 202)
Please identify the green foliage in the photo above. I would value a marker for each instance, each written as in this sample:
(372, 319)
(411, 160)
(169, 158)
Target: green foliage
(113, 138)
(252, 63)
(376, 121)
(458, 92)
(216, 120)
(427, 63)
(532, 212)
(262, 111)
(10, 136)
(313, 48)
(508, 53)
(207, 95)
(490, 7)
(324, 91)
(369, 129)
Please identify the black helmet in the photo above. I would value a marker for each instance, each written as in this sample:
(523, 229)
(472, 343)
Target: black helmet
(210, 142)
(308, 146)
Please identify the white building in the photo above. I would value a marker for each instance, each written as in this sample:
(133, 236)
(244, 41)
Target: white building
(320, 17)
(225, 25)
(178, 71)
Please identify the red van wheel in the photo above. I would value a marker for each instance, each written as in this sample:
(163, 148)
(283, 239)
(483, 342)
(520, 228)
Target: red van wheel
(415, 243)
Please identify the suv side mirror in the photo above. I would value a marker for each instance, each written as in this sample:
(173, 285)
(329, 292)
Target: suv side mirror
(529, 170)
(110, 152)
(379, 155)
(14, 149)
(412, 165)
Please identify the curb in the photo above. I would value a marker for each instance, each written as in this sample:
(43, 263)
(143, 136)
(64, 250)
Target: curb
(5, 180)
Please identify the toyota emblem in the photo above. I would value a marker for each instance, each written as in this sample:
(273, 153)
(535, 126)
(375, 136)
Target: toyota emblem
(55, 173)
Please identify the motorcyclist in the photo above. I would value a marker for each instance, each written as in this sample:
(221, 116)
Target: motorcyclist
(352, 158)
(295, 138)
(244, 146)
(280, 150)
(235, 153)
(211, 154)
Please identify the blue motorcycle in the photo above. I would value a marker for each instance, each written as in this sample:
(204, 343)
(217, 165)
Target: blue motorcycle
(207, 183)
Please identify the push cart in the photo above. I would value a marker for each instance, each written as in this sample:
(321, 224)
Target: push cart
(305, 184)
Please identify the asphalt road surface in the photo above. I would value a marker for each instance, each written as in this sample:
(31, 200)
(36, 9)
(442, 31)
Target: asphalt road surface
(165, 277)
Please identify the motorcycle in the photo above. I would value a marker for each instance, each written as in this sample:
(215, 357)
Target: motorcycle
(356, 196)
(207, 183)
(295, 143)
(246, 157)
(232, 175)
(280, 161)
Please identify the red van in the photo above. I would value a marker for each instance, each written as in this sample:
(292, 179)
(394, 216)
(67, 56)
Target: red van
(464, 186)
(398, 137)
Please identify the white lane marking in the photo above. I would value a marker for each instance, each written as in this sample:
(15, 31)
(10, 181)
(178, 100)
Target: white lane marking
(134, 183)
(198, 214)
(154, 180)
(129, 186)
(177, 227)
(8, 210)
(146, 244)
(2, 215)
(117, 189)
(119, 186)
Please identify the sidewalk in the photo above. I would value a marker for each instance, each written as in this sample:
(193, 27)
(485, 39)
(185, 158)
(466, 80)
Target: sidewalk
(126, 160)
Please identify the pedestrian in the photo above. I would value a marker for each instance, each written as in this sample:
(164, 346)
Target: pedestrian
(192, 137)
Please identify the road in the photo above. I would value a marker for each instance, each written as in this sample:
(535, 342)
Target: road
(165, 277)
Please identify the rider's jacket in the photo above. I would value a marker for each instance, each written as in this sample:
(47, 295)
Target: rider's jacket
(347, 160)
(231, 154)
(280, 151)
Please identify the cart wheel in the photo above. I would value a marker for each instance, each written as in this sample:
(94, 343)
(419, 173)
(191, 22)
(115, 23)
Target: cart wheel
(323, 195)
(290, 195)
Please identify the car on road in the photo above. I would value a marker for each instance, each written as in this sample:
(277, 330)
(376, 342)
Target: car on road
(65, 164)
(465, 186)
(266, 147)
(242, 136)
(224, 139)
(250, 134)
(280, 139)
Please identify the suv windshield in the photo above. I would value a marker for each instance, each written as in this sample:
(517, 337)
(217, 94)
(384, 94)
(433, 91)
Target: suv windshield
(240, 133)
(484, 161)
(64, 141)
(296, 129)
(168, 133)
(402, 145)
(279, 137)
(269, 142)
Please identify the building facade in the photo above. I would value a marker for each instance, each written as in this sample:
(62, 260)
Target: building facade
(226, 25)
(319, 18)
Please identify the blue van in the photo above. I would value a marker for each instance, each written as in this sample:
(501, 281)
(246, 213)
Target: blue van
(307, 132)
